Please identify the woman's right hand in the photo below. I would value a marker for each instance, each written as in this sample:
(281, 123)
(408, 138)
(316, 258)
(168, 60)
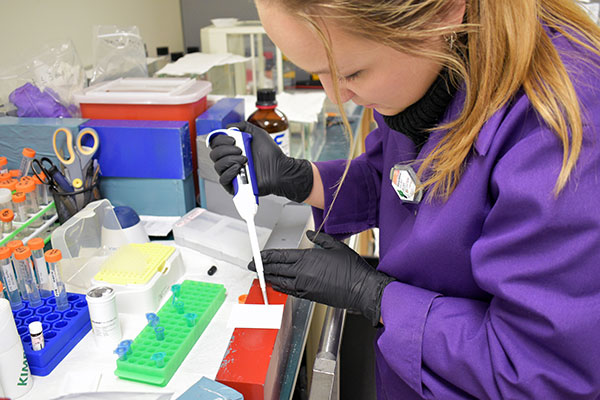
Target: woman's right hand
(275, 172)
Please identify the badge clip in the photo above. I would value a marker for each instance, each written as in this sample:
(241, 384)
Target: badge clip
(405, 182)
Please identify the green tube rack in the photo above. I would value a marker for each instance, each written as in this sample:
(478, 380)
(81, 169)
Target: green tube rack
(201, 298)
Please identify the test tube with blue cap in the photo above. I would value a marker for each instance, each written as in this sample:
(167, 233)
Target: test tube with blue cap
(9, 279)
(159, 358)
(176, 289)
(160, 333)
(24, 268)
(52, 257)
(153, 319)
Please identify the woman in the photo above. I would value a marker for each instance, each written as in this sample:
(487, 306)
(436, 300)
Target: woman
(482, 177)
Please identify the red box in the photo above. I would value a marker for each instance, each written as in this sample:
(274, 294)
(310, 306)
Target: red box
(250, 352)
(158, 99)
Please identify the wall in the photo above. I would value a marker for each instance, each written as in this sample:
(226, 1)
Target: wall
(198, 13)
(26, 24)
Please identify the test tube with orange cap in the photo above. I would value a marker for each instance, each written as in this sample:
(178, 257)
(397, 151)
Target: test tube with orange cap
(25, 273)
(19, 199)
(41, 271)
(3, 163)
(12, 245)
(27, 186)
(6, 217)
(9, 184)
(41, 189)
(53, 256)
(28, 156)
(5, 199)
(9, 279)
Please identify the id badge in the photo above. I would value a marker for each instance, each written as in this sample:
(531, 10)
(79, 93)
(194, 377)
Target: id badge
(405, 182)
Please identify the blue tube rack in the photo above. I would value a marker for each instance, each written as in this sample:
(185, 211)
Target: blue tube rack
(62, 330)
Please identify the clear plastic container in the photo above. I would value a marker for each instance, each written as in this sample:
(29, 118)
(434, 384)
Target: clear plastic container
(218, 236)
(5, 199)
(3, 163)
(19, 200)
(27, 186)
(85, 240)
(43, 196)
(53, 257)
(9, 278)
(6, 218)
(25, 273)
(39, 262)
(25, 166)
(9, 184)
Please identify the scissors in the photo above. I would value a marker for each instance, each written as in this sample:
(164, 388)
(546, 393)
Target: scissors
(80, 156)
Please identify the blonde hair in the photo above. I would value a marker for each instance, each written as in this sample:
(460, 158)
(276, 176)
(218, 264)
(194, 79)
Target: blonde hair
(506, 48)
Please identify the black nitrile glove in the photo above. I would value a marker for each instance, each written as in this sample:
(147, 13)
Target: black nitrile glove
(275, 172)
(334, 275)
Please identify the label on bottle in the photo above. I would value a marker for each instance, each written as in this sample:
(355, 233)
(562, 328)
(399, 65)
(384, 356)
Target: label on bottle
(37, 341)
(283, 140)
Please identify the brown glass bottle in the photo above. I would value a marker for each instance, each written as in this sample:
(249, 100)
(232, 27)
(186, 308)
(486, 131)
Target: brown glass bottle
(269, 118)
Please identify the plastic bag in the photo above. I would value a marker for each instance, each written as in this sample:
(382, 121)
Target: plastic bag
(43, 85)
(118, 52)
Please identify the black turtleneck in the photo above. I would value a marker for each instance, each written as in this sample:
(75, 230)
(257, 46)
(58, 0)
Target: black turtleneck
(416, 120)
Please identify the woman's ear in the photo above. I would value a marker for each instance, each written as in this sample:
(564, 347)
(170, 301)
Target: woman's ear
(457, 13)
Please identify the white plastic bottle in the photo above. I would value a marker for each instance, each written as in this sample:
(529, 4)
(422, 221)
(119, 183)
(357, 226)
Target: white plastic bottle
(15, 378)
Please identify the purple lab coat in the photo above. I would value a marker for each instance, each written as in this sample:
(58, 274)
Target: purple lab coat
(498, 288)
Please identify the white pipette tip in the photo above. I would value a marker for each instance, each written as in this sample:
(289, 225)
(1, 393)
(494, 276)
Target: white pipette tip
(257, 258)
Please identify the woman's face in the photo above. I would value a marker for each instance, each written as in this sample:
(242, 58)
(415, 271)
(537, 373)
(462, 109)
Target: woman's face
(371, 74)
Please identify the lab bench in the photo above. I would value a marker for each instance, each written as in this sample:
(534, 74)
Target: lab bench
(88, 368)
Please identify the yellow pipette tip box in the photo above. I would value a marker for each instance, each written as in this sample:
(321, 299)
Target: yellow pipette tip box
(134, 264)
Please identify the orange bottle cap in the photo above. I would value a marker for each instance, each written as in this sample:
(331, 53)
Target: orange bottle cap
(5, 176)
(5, 253)
(25, 178)
(9, 184)
(29, 153)
(13, 244)
(242, 298)
(21, 253)
(19, 197)
(26, 186)
(36, 243)
(15, 173)
(7, 215)
(1, 287)
(37, 179)
(53, 255)
(3, 161)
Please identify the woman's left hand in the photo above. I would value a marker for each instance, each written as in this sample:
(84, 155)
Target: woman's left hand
(333, 274)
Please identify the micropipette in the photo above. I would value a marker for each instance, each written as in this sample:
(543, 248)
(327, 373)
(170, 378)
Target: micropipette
(245, 196)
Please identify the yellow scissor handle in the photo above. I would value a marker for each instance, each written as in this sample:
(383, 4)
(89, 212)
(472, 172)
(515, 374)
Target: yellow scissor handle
(69, 136)
(87, 150)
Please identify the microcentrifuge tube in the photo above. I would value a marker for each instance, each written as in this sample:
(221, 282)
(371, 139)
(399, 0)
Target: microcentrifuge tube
(191, 319)
(160, 333)
(159, 359)
(121, 352)
(52, 257)
(126, 344)
(153, 319)
(24, 268)
(176, 289)
(178, 306)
